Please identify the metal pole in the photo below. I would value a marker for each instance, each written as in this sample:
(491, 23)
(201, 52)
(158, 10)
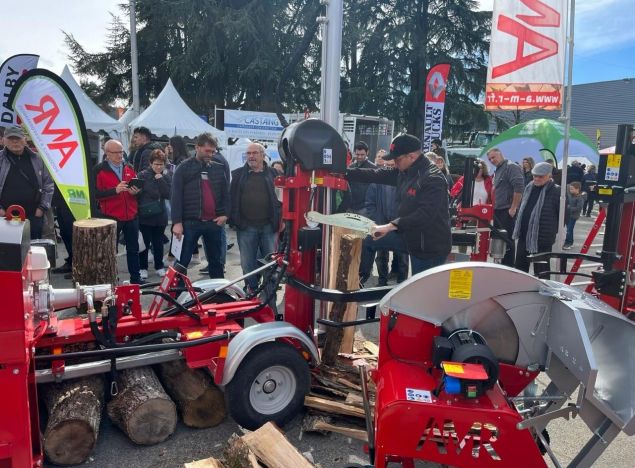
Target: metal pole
(324, 30)
(567, 130)
(334, 13)
(133, 58)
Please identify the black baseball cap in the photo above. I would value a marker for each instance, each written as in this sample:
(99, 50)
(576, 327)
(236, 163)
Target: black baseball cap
(403, 144)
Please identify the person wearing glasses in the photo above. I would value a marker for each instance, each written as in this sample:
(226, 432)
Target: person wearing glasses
(200, 204)
(117, 199)
(153, 217)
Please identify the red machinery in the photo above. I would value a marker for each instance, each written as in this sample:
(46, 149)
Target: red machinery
(264, 368)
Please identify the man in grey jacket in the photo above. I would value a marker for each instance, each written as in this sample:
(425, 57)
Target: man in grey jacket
(24, 180)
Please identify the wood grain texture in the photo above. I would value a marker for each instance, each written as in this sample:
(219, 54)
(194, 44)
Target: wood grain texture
(94, 251)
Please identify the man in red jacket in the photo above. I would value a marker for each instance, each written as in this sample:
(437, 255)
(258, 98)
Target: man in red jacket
(117, 200)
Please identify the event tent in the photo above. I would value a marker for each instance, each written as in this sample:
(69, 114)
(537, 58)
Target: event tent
(169, 115)
(94, 118)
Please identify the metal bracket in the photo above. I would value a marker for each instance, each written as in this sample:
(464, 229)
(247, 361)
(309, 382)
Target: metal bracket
(571, 409)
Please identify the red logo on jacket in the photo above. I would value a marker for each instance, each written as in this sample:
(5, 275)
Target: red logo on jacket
(412, 192)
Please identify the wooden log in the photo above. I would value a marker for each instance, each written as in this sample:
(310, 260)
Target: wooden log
(346, 251)
(313, 423)
(330, 406)
(94, 251)
(74, 413)
(141, 408)
(206, 463)
(201, 404)
(273, 449)
(238, 455)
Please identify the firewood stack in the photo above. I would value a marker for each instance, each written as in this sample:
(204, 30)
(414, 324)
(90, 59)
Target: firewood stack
(335, 402)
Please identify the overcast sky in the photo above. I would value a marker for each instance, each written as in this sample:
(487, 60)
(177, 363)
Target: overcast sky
(604, 35)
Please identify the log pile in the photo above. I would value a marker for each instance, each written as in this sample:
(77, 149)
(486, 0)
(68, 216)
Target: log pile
(266, 447)
(335, 402)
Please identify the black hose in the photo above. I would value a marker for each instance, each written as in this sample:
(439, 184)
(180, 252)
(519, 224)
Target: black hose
(177, 306)
(131, 350)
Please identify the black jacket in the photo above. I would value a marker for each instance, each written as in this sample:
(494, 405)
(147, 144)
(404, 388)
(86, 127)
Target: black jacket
(153, 190)
(186, 198)
(140, 159)
(355, 199)
(548, 228)
(239, 177)
(424, 217)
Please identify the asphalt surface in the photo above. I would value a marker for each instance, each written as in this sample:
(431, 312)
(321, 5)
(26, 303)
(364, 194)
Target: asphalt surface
(186, 444)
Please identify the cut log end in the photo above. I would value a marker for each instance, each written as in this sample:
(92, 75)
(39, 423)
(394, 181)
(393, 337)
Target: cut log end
(70, 443)
(208, 410)
(152, 422)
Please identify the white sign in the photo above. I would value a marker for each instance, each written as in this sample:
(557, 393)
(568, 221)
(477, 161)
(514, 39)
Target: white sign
(10, 71)
(253, 125)
(527, 53)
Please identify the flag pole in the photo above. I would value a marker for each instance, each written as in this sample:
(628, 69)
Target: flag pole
(567, 129)
(133, 59)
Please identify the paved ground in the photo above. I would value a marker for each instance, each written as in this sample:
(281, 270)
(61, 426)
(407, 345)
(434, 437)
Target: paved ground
(114, 449)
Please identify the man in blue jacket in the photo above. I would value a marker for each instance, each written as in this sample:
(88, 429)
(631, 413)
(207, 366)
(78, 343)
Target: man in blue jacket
(200, 204)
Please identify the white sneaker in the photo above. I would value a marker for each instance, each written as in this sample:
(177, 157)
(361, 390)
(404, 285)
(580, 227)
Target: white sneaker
(196, 259)
(143, 274)
(161, 272)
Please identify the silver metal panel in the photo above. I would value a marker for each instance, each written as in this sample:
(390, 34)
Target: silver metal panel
(101, 367)
(425, 296)
(213, 283)
(252, 336)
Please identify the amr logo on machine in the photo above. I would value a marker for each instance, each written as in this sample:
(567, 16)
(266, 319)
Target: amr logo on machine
(481, 434)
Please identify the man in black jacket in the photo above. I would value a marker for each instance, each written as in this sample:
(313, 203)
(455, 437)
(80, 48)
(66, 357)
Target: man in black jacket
(537, 222)
(255, 210)
(354, 200)
(141, 138)
(200, 204)
(422, 228)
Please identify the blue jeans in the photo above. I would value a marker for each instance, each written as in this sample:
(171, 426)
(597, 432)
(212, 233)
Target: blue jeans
(211, 233)
(570, 225)
(130, 231)
(255, 242)
(394, 242)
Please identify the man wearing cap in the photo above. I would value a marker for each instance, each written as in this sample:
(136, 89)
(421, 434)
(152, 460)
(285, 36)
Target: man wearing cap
(422, 225)
(24, 180)
(537, 222)
(509, 184)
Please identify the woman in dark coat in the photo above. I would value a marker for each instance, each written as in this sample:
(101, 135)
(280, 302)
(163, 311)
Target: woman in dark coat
(153, 217)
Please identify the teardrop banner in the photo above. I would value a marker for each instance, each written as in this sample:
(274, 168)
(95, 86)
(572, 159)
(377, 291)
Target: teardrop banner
(10, 71)
(52, 116)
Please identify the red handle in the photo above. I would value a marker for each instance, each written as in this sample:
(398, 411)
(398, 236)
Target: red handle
(15, 211)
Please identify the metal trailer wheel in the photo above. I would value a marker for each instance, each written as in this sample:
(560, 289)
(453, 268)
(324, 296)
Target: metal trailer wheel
(269, 385)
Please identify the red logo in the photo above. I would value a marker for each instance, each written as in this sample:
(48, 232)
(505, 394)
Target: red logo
(412, 192)
(392, 147)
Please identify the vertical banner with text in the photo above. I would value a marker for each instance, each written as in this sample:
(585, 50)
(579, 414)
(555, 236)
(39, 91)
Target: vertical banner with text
(10, 71)
(436, 84)
(50, 113)
(527, 55)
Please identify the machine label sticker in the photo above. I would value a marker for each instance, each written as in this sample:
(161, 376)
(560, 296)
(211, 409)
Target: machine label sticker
(460, 284)
(416, 394)
(327, 156)
(613, 162)
(453, 368)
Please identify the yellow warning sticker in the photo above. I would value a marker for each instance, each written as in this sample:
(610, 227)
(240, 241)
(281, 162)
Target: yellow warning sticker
(614, 160)
(194, 335)
(452, 368)
(460, 284)
(605, 191)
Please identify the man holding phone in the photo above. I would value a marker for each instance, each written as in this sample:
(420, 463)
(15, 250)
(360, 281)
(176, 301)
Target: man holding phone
(115, 196)
(200, 204)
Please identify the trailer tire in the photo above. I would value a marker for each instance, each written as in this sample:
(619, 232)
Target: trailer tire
(269, 385)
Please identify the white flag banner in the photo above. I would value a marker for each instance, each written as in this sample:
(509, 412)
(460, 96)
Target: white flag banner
(527, 55)
(51, 115)
(10, 71)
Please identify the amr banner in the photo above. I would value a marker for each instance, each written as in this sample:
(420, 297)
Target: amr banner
(51, 115)
(10, 71)
(527, 55)
(436, 83)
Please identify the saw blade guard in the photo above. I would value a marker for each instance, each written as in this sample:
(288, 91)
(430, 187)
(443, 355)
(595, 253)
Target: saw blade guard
(531, 323)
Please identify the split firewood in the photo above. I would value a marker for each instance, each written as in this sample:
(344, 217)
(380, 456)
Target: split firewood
(330, 406)
(200, 402)
(314, 423)
(206, 463)
(238, 455)
(74, 409)
(371, 348)
(273, 449)
(141, 408)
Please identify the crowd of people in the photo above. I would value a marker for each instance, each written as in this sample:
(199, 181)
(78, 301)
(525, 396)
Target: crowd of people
(405, 192)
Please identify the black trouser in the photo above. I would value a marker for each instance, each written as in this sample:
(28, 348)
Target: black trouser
(153, 239)
(588, 203)
(522, 262)
(65, 221)
(503, 220)
(399, 266)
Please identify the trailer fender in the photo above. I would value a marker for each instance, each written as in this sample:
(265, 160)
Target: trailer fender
(252, 336)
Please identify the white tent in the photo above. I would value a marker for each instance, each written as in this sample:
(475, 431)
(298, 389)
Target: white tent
(169, 115)
(124, 121)
(94, 118)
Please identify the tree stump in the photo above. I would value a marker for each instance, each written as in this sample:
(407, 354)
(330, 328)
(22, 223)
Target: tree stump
(344, 275)
(200, 402)
(142, 409)
(74, 413)
(94, 251)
